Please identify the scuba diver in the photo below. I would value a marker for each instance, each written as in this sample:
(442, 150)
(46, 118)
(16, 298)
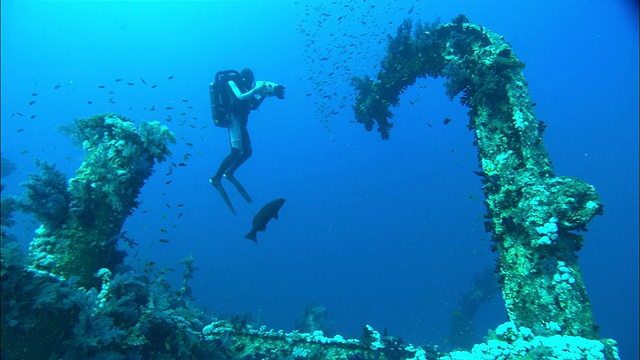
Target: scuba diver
(233, 96)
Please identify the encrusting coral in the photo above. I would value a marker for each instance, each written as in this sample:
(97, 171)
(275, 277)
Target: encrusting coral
(82, 224)
(46, 196)
(532, 213)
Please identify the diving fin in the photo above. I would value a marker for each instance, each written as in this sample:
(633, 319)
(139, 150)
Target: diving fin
(223, 193)
(239, 187)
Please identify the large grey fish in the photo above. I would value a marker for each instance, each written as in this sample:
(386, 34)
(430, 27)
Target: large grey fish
(268, 212)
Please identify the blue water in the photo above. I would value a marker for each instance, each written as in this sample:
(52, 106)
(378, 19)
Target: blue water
(387, 233)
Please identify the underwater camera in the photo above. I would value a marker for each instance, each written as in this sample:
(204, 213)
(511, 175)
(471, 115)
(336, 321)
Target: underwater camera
(273, 89)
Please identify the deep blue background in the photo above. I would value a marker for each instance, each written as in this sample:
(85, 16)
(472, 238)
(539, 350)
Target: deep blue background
(385, 233)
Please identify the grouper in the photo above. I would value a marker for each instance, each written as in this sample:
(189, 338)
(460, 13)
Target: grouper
(268, 212)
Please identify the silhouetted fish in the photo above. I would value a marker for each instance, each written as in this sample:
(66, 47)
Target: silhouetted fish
(268, 212)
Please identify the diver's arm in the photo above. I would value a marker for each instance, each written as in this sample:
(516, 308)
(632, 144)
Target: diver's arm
(246, 96)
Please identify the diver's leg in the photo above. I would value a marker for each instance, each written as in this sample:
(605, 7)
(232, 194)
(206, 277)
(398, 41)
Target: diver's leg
(236, 143)
(227, 163)
(215, 179)
(244, 156)
(246, 153)
(235, 140)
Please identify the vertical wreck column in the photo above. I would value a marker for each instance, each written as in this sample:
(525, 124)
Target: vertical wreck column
(82, 221)
(532, 214)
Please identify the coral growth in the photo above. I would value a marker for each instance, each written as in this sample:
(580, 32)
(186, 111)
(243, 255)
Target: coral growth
(45, 317)
(82, 222)
(509, 341)
(312, 317)
(532, 213)
(185, 291)
(9, 205)
(46, 196)
(7, 167)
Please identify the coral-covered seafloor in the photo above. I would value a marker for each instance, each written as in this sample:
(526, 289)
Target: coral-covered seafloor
(72, 297)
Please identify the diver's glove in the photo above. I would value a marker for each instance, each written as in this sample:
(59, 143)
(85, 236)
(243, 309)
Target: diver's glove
(268, 88)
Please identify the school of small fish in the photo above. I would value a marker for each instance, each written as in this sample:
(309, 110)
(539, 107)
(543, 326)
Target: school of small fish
(342, 39)
(180, 108)
(339, 37)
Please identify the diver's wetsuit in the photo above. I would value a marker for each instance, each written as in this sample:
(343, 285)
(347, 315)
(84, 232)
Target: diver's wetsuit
(239, 140)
